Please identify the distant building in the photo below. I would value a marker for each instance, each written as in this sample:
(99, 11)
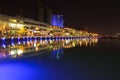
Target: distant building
(44, 13)
(47, 15)
(57, 20)
(40, 10)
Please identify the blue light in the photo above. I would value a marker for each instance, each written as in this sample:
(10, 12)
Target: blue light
(18, 38)
(40, 37)
(57, 53)
(18, 42)
(35, 38)
(12, 44)
(4, 46)
(57, 20)
(56, 38)
(3, 38)
(12, 41)
(54, 20)
(12, 38)
(30, 38)
(27, 38)
(24, 42)
(20, 71)
(3, 41)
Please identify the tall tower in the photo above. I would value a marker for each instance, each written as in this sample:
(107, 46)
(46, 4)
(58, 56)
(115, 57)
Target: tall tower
(47, 15)
(40, 10)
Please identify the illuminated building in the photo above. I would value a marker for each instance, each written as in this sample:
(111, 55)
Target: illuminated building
(19, 27)
(57, 20)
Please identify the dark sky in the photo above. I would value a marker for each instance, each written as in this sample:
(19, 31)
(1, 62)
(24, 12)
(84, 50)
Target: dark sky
(26, 8)
(99, 16)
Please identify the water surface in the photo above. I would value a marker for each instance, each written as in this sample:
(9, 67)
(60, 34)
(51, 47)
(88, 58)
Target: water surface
(78, 59)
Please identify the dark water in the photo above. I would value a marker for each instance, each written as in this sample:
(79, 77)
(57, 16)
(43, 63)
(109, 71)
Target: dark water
(83, 59)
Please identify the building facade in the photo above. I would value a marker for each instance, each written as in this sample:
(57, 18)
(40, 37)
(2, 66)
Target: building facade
(57, 20)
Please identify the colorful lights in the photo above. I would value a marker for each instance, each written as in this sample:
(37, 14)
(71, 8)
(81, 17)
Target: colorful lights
(57, 53)
(12, 38)
(22, 46)
(12, 52)
(19, 52)
(3, 38)
(57, 20)
(4, 46)
(14, 27)
(19, 42)
(4, 42)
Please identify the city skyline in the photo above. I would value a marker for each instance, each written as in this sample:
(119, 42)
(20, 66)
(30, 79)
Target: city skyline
(101, 17)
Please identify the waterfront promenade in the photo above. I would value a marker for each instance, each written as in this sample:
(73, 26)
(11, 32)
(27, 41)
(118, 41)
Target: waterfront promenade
(13, 27)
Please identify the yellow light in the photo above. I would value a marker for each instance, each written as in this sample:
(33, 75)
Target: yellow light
(16, 26)
(36, 49)
(12, 52)
(13, 20)
(19, 52)
(73, 44)
(12, 24)
(67, 33)
(19, 25)
(36, 28)
(80, 42)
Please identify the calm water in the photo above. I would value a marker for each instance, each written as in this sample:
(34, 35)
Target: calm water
(80, 59)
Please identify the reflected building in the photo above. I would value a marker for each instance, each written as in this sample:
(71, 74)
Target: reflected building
(27, 47)
(57, 53)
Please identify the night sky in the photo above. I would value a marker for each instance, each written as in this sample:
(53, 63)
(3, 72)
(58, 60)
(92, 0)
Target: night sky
(102, 17)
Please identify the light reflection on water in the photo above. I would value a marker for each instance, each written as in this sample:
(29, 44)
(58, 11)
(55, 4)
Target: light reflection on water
(87, 61)
(24, 48)
(31, 69)
(20, 71)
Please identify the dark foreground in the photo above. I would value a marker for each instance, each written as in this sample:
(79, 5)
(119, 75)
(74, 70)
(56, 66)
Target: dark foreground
(100, 61)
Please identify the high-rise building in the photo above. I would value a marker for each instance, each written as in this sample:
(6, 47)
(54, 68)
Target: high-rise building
(36, 9)
(44, 13)
(57, 20)
(40, 10)
(47, 16)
